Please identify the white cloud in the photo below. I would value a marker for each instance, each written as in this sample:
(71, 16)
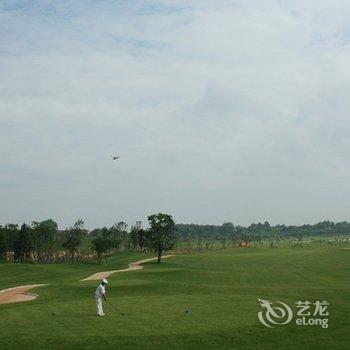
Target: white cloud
(233, 110)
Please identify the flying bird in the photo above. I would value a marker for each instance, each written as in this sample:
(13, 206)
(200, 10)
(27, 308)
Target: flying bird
(115, 157)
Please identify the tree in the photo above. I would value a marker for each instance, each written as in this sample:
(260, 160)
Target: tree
(73, 238)
(4, 246)
(101, 245)
(10, 232)
(118, 235)
(141, 238)
(45, 235)
(122, 228)
(162, 233)
(300, 237)
(227, 228)
(135, 235)
(23, 245)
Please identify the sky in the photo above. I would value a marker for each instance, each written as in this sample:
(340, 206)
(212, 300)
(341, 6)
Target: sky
(220, 111)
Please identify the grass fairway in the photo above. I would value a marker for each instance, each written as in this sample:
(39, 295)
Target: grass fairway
(221, 290)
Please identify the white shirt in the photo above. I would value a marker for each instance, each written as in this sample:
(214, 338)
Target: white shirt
(100, 291)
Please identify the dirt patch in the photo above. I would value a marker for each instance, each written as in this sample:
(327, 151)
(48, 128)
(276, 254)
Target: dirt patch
(17, 294)
(132, 267)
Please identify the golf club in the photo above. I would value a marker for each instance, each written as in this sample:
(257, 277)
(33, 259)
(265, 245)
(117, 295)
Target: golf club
(115, 308)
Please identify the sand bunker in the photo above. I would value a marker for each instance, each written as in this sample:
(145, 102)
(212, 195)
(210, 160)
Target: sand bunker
(132, 267)
(17, 294)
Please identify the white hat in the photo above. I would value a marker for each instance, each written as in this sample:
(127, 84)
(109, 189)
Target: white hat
(104, 281)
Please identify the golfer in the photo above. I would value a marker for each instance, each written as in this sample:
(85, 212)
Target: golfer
(99, 294)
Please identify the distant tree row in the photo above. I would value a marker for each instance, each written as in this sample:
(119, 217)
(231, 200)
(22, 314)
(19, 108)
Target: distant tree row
(262, 230)
(43, 242)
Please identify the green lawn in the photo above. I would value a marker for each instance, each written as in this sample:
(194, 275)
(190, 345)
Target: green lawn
(221, 290)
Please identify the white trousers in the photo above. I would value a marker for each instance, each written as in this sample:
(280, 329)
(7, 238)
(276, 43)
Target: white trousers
(99, 308)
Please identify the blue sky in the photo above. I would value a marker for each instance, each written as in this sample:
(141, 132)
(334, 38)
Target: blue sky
(221, 111)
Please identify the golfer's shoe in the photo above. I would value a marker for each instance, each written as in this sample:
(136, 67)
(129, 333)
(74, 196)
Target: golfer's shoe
(101, 314)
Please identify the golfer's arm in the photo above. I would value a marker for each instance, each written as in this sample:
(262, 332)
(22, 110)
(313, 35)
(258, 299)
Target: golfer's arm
(104, 297)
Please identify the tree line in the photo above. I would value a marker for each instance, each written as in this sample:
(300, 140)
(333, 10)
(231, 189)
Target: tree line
(199, 237)
(43, 242)
(264, 230)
